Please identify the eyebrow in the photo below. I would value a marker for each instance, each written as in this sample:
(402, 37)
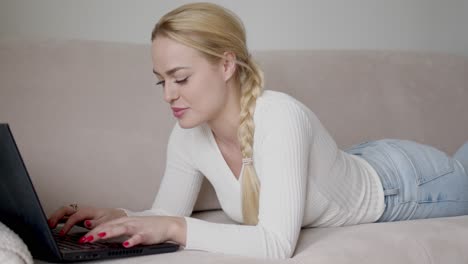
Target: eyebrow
(171, 71)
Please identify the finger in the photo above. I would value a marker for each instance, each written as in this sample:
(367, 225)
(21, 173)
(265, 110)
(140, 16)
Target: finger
(133, 241)
(92, 223)
(75, 218)
(100, 231)
(89, 224)
(106, 231)
(55, 218)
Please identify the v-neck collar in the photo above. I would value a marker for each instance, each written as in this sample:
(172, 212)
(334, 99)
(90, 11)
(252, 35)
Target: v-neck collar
(221, 158)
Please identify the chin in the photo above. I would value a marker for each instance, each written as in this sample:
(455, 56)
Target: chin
(187, 124)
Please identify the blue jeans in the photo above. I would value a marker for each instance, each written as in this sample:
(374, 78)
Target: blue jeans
(419, 181)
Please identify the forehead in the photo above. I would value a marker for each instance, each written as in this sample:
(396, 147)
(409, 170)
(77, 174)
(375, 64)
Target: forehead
(167, 54)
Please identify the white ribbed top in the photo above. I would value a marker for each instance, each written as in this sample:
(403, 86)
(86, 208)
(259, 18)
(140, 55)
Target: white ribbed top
(306, 181)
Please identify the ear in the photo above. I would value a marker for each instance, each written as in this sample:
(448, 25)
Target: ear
(229, 65)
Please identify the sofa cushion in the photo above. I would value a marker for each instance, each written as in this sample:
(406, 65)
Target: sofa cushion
(437, 240)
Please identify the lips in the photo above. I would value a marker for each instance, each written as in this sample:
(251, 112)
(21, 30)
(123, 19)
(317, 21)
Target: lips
(178, 111)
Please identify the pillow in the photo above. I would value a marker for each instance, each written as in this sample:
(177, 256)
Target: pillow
(12, 248)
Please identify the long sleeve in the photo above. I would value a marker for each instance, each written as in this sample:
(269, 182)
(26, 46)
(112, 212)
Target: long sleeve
(281, 162)
(181, 182)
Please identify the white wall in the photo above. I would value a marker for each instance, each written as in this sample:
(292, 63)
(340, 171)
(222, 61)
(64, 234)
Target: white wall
(438, 25)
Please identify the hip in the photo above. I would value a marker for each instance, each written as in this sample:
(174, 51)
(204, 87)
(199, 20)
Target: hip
(419, 181)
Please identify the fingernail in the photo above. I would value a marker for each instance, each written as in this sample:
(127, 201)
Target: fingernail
(102, 234)
(125, 244)
(89, 239)
(87, 223)
(82, 240)
(61, 233)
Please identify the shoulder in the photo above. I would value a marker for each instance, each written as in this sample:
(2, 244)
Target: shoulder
(182, 144)
(276, 108)
(270, 96)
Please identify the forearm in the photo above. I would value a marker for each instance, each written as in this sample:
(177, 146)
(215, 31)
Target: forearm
(177, 230)
(242, 240)
(176, 227)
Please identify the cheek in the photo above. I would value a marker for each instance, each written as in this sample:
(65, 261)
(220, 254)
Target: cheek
(208, 94)
(208, 103)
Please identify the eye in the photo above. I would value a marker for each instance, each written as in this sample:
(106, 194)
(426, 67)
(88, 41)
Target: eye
(161, 83)
(182, 81)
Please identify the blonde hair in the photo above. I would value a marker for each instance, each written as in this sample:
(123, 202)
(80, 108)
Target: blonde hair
(213, 30)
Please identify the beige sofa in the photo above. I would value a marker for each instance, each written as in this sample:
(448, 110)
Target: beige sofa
(92, 128)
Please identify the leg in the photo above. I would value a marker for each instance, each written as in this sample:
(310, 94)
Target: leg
(419, 180)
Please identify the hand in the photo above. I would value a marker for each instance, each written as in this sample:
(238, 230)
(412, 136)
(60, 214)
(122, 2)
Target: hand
(145, 230)
(91, 216)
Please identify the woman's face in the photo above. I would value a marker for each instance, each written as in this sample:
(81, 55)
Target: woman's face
(189, 81)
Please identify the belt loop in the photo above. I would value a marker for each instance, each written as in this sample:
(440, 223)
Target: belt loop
(391, 192)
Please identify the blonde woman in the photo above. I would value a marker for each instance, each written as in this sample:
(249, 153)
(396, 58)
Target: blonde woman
(274, 166)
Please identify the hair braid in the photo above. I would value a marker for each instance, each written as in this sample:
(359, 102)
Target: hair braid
(251, 86)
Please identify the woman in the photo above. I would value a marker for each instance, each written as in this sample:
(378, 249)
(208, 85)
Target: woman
(274, 166)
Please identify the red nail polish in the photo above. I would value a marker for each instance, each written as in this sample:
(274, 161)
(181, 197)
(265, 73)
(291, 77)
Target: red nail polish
(87, 223)
(125, 244)
(82, 240)
(89, 239)
(102, 234)
(61, 233)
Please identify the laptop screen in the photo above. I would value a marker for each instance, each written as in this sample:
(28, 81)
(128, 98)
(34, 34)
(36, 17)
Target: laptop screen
(20, 208)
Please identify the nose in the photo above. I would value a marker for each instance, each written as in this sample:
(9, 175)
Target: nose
(170, 93)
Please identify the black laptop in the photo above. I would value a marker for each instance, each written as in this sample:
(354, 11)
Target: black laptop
(22, 212)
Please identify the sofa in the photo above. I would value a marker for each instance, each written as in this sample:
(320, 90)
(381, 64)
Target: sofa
(93, 128)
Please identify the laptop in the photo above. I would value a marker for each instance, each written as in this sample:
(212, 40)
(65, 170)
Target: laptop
(21, 211)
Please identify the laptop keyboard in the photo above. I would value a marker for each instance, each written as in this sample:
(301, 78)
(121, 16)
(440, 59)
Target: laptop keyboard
(70, 242)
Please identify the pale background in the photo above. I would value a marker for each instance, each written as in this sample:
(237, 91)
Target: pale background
(433, 25)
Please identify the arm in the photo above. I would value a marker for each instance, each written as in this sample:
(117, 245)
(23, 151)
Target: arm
(181, 183)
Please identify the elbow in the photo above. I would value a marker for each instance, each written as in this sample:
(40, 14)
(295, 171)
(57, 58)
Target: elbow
(279, 247)
(284, 255)
(284, 251)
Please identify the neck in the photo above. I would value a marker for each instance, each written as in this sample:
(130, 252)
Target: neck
(226, 123)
